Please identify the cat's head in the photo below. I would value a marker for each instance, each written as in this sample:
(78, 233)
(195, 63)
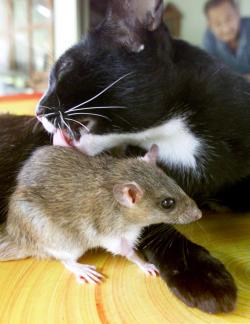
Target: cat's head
(112, 80)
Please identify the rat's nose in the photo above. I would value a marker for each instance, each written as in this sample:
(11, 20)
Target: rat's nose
(195, 214)
(191, 214)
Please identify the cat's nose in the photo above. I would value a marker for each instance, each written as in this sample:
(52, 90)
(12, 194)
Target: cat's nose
(40, 110)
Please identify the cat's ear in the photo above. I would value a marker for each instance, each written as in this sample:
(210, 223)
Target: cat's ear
(132, 17)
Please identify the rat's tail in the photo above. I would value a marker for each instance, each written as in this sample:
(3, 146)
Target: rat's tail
(9, 250)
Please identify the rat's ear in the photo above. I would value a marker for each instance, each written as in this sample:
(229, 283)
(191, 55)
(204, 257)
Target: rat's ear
(128, 194)
(131, 17)
(152, 154)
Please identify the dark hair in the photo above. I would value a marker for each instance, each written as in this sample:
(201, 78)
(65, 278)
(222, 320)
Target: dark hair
(214, 3)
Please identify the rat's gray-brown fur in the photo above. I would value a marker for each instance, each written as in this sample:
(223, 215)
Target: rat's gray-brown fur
(64, 204)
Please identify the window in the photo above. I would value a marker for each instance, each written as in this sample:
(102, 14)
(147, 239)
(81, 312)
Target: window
(27, 44)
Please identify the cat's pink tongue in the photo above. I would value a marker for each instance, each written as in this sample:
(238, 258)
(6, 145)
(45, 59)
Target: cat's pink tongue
(61, 138)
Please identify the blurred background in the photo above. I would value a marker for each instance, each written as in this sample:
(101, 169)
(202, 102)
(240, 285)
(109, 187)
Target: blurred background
(34, 33)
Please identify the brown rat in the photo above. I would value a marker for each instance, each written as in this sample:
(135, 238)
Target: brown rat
(66, 203)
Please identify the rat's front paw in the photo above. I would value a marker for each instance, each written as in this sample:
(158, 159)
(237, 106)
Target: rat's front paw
(88, 274)
(84, 273)
(149, 269)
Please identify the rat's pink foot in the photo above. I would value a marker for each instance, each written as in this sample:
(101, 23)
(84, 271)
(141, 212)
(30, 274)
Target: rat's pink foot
(149, 269)
(127, 250)
(84, 273)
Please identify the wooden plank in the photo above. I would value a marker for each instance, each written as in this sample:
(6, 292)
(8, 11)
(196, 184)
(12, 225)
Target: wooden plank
(41, 292)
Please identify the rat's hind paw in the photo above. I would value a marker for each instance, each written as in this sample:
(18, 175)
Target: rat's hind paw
(84, 273)
(149, 269)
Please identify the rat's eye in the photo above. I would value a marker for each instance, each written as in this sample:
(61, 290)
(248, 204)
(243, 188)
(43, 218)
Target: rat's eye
(168, 203)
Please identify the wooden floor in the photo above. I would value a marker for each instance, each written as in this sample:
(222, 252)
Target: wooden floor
(40, 292)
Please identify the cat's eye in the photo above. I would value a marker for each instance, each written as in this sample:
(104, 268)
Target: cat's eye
(168, 203)
(63, 69)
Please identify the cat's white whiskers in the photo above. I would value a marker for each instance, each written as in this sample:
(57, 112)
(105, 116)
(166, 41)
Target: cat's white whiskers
(103, 107)
(59, 127)
(59, 103)
(46, 115)
(63, 121)
(99, 94)
(54, 122)
(90, 114)
(77, 122)
(35, 126)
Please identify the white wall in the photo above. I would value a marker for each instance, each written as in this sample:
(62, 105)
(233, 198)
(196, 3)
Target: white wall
(65, 25)
(194, 22)
(193, 25)
(245, 7)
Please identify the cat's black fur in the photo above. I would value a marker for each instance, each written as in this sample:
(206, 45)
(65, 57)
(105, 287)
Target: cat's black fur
(167, 78)
(19, 136)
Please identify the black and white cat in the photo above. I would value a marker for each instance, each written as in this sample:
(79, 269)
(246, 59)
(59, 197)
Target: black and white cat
(128, 82)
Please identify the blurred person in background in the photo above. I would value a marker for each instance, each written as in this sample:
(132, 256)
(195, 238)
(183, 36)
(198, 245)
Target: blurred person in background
(228, 35)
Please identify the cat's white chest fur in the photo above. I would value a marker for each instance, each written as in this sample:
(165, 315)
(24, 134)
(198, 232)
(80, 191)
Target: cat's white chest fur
(178, 146)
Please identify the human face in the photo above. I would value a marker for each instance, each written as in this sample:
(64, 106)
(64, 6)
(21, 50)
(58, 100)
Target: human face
(224, 22)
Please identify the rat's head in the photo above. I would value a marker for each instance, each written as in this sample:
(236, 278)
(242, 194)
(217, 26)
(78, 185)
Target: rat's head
(112, 78)
(151, 197)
